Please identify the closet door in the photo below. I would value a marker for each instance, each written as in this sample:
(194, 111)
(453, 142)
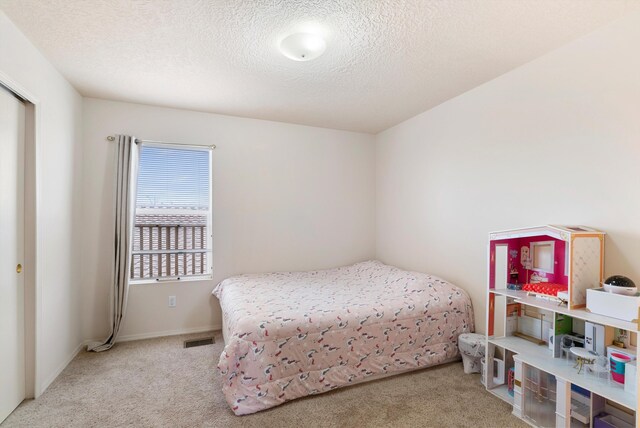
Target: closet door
(12, 365)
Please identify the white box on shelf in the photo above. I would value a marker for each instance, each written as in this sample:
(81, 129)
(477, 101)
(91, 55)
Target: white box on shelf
(613, 305)
(630, 377)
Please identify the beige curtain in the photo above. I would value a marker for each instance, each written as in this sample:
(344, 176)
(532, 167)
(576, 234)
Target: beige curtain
(126, 168)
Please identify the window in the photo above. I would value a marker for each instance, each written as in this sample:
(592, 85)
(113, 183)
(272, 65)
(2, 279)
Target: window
(543, 256)
(172, 232)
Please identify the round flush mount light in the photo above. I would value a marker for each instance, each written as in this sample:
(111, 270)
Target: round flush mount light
(302, 46)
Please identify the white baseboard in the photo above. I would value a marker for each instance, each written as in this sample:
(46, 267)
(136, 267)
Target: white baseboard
(42, 387)
(140, 336)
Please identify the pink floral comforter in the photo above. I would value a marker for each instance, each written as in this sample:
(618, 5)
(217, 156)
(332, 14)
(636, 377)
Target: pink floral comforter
(294, 334)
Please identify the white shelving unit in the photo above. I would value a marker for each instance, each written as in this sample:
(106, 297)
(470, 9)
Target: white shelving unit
(541, 379)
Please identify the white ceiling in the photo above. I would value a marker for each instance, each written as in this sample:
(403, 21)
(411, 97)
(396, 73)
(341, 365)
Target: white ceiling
(386, 60)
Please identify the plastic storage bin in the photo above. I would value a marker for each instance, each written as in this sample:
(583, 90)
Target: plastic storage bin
(609, 421)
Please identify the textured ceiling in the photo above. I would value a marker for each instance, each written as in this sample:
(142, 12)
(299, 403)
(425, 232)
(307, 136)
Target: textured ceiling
(386, 60)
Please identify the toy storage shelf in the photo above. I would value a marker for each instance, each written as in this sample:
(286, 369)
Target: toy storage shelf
(524, 298)
(526, 333)
(541, 358)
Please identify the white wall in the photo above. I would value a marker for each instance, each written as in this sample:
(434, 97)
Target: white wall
(554, 141)
(286, 197)
(58, 178)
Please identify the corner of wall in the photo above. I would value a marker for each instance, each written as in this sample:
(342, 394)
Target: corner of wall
(57, 154)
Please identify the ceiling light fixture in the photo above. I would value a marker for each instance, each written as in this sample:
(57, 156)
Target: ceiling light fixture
(302, 46)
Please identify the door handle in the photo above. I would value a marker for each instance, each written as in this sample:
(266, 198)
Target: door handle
(19, 268)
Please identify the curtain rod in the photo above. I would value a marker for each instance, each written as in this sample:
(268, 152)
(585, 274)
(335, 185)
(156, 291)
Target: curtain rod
(168, 143)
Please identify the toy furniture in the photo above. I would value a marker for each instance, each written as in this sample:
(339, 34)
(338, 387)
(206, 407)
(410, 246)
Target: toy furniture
(562, 355)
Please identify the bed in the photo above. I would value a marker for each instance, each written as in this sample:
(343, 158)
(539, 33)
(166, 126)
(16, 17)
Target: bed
(293, 334)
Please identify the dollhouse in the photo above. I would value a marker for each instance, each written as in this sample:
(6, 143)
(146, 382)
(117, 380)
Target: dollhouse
(557, 363)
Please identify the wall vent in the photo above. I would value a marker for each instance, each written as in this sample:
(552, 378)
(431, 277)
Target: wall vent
(199, 342)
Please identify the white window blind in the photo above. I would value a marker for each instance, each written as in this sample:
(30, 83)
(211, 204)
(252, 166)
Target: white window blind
(172, 233)
(173, 178)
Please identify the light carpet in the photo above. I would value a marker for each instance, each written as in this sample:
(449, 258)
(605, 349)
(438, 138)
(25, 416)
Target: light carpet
(158, 383)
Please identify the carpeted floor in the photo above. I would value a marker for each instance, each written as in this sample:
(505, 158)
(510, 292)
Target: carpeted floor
(156, 382)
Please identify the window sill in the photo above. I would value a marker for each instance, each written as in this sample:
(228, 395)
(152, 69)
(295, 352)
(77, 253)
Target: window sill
(172, 281)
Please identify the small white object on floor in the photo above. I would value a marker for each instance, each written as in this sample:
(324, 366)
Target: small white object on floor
(471, 347)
